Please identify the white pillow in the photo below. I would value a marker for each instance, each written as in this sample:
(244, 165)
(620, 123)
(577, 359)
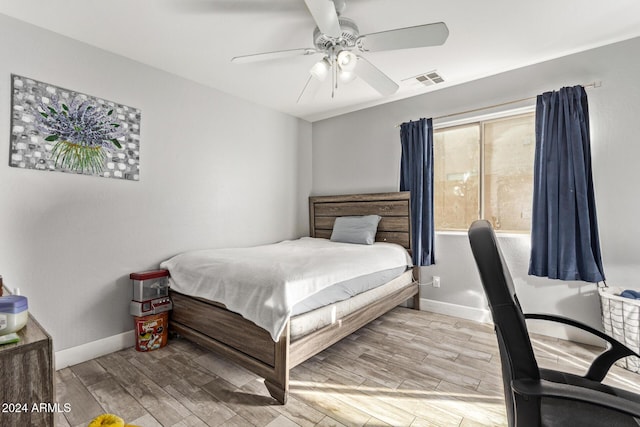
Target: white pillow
(356, 229)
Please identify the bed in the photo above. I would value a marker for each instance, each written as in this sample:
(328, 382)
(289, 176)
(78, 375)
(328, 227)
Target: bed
(211, 325)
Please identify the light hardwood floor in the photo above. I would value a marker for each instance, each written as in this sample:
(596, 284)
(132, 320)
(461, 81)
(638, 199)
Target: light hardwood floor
(407, 368)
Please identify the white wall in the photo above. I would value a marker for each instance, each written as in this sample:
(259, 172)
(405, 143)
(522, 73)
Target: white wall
(215, 171)
(361, 152)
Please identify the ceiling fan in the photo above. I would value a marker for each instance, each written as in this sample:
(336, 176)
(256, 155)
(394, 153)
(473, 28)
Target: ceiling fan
(338, 39)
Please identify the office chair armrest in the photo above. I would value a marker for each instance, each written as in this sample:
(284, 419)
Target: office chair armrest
(544, 388)
(601, 364)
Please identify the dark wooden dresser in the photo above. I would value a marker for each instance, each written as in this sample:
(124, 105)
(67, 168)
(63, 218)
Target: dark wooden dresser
(27, 395)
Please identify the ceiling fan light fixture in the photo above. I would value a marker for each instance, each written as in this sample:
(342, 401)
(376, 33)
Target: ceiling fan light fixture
(320, 69)
(347, 61)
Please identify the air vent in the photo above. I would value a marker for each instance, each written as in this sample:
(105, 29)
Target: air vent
(426, 79)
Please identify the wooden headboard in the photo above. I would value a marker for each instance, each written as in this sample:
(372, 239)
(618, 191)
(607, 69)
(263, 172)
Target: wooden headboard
(394, 227)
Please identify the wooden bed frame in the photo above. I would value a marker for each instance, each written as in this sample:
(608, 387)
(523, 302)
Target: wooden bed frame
(213, 327)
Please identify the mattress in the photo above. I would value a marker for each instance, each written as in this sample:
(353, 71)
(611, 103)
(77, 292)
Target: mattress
(346, 289)
(311, 321)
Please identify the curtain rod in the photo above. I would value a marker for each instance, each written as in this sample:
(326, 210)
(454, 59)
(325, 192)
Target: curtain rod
(502, 104)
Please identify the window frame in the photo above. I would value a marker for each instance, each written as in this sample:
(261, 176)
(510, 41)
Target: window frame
(481, 121)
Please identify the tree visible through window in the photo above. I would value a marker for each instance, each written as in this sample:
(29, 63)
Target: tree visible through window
(485, 170)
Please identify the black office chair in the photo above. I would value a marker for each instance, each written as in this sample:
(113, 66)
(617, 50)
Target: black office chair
(543, 397)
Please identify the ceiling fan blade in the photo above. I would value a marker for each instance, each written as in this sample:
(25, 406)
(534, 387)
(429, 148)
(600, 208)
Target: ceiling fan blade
(309, 91)
(266, 56)
(324, 13)
(405, 38)
(375, 78)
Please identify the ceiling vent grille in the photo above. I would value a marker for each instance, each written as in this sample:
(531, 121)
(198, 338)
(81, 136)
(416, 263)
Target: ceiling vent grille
(427, 79)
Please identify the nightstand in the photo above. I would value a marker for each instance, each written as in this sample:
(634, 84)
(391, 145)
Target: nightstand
(27, 378)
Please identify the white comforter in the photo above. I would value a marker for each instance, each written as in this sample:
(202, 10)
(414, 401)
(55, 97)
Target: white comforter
(263, 283)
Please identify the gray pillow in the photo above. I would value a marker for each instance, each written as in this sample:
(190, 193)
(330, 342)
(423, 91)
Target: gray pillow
(355, 229)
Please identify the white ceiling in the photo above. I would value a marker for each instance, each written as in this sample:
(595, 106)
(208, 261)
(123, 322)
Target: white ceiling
(197, 38)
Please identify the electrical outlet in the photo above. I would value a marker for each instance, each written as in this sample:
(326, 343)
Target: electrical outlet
(436, 281)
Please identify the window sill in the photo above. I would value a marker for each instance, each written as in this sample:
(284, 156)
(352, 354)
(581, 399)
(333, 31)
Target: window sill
(507, 234)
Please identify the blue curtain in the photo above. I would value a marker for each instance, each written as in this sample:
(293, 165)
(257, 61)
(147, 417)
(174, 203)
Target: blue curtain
(564, 231)
(416, 176)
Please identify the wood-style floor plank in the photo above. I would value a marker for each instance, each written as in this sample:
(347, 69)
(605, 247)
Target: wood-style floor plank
(69, 389)
(407, 368)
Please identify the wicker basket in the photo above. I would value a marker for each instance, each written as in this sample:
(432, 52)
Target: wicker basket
(621, 320)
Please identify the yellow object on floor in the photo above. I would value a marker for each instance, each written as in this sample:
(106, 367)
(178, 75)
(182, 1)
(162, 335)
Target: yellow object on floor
(109, 420)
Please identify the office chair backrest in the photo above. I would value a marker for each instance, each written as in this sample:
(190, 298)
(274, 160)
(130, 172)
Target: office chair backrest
(516, 353)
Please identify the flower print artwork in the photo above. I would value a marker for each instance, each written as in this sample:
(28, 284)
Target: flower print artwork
(58, 129)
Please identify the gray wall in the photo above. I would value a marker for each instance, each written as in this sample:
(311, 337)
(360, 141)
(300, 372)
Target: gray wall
(215, 171)
(360, 152)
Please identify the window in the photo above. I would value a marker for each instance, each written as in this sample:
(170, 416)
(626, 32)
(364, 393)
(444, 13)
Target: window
(485, 170)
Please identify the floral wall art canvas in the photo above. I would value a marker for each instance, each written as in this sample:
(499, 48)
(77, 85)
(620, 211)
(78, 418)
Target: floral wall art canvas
(56, 129)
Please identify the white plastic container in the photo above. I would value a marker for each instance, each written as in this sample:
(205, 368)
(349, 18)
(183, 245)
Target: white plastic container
(13, 313)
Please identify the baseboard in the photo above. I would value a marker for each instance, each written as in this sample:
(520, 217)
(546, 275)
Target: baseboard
(93, 349)
(548, 329)
(462, 311)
